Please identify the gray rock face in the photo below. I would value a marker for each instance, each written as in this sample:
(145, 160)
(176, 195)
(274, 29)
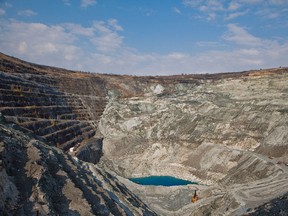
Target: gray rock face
(278, 206)
(37, 179)
(92, 151)
(230, 134)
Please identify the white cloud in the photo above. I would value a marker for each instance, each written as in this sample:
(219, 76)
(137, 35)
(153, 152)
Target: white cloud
(205, 5)
(192, 3)
(67, 2)
(211, 16)
(233, 6)
(36, 41)
(100, 48)
(107, 42)
(27, 13)
(209, 44)
(270, 13)
(7, 5)
(215, 5)
(209, 9)
(251, 1)
(240, 35)
(236, 14)
(2, 12)
(147, 11)
(207, 62)
(176, 56)
(59, 44)
(107, 37)
(278, 2)
(87, 3)
(113, 23)
(47, 48)
(230, 9)
(78, 29)
(274, 15)
(264, 2)
(176, 10)
(22, 47)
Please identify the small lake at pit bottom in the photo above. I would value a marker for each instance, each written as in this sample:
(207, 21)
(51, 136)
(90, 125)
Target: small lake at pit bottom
(161, 181)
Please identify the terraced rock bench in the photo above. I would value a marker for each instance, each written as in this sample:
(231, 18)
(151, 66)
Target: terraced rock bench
(96, 105)
(24, 99)
(86, 107)
(86, 85)
(61, 119)
(9, 67)
(69, 133)
(61, 133)
(44, 80)
(49, 112)
(16, 83)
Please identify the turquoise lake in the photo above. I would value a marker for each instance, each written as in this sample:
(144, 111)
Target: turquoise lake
(161, 181)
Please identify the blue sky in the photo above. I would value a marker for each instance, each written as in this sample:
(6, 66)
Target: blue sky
(147, 37)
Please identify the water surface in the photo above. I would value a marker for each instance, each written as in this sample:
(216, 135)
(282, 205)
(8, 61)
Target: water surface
(161, 181)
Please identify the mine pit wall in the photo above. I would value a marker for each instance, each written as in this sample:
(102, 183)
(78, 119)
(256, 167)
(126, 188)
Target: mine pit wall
(60, 106)
(164, 127)
(228, 134)
(37, 179)
(206, 129)
(44, 109)
(58, 115)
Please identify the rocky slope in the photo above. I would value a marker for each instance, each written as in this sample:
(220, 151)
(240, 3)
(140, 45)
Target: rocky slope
(48, 117)
(37, 179)
(226, 131)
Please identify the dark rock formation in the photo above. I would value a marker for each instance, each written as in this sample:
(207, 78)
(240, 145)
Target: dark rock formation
(278, 206)
(91, 151)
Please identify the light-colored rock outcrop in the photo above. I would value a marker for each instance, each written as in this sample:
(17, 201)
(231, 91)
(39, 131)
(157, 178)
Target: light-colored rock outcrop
(220, 133)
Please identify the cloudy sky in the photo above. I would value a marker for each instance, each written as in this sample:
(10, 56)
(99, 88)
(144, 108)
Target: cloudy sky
(147, 37)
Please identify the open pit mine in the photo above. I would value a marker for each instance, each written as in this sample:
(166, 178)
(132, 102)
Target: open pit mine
(70, 141)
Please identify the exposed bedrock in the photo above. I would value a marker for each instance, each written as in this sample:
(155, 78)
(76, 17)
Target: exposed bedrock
(91, 151)
(226, 131)
(230, 134)
(48, 116)
(37, 179)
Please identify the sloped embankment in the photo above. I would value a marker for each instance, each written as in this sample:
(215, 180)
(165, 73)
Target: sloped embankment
(38, 179)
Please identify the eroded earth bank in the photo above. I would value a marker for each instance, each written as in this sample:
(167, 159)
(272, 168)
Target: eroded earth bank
(74, 138)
